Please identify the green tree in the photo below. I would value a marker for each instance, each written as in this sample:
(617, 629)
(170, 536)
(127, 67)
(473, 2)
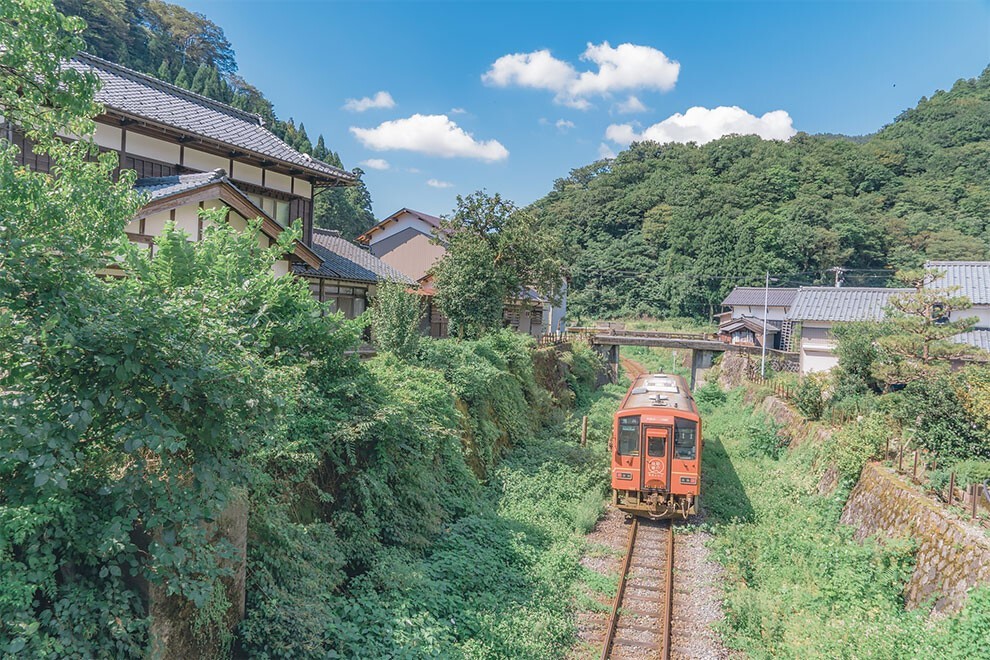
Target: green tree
(395, 317)
(917, 345)
(494, 252)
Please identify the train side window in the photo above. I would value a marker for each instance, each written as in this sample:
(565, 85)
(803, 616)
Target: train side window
(628, 436)
(685, 439)
(655, 446)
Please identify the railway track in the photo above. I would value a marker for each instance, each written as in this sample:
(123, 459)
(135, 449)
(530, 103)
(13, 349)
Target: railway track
(640, 623)
(632, 368)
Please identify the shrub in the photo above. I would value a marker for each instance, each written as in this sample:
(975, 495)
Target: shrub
(852, 446)
(395, 315)
(809, 397)
(933, 409)
(971, 472)
(709, 396)
(763, 438)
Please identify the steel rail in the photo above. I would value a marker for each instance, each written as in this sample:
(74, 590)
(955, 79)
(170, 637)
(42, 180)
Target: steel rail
(668, 605)
(613, 618)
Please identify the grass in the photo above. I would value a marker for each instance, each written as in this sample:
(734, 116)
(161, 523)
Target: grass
(798, 585)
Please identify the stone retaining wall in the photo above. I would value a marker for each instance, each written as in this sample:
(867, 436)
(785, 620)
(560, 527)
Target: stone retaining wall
(952, 556)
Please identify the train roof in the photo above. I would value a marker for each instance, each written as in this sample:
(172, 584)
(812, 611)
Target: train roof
(660, 392)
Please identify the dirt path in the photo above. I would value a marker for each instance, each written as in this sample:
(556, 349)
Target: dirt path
(697, 594)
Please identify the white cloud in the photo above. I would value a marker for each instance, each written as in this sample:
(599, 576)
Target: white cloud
(435, 183)
(433, 135)
(623, 68)
(564, 125)
(629, 106)
(376, 163)
(379, 100)
(604, 151)
(457, 111)
(413, 170)
(703, 125)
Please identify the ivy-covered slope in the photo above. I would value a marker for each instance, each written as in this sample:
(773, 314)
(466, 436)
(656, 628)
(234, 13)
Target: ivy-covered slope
(670, 229)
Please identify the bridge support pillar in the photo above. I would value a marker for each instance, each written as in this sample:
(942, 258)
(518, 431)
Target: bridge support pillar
(701, 360)
(613, 363)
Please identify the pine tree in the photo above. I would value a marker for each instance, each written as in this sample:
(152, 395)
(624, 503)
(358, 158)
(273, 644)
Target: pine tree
(320, 151)
(164, 73)
(182, 80)
(199, 80)
(211, 87)
(918, 346)
(302, 140)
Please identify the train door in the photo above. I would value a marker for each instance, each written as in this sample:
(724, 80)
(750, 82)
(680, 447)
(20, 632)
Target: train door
(686, 459)
(627, 465)
(656, 452)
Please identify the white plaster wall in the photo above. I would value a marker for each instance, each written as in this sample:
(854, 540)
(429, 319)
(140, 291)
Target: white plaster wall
(405, 220)
(200, 160)
(980, 311)
(813, 360)
(756, 311)
(277, 181)
(107, 136)
(143, 145)
(154, 224)
(246, 173)
(187, 220)
(303, 188)
(281, 268)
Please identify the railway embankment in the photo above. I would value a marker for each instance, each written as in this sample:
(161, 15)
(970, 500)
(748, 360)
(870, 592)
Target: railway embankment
(952, 556)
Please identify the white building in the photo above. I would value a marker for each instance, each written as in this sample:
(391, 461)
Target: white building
(816, 310)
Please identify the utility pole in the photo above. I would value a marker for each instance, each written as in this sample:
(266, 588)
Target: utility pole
(763, 346)
(839, 275)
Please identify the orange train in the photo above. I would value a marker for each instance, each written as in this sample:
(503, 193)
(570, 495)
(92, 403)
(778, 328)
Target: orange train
(656, 449)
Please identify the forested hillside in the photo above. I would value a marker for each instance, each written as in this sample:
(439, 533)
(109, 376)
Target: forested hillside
(670, 229)
(189, 50)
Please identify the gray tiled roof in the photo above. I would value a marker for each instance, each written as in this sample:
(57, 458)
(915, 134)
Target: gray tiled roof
(754, 295)
(751, 322)
(166, 186)
(346, 261)
(841, 304)
(976, 338)
(139, 95)
(972, 278)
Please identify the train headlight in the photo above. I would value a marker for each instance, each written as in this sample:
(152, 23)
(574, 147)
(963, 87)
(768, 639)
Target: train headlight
(688, 480)
(623, 476)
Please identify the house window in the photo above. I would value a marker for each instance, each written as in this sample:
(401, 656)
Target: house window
(282, 213)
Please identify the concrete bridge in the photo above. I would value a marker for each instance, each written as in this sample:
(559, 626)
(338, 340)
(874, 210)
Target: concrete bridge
(703, 346)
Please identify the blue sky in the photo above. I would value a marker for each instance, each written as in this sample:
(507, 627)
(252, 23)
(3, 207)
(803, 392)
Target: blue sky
(838, 67)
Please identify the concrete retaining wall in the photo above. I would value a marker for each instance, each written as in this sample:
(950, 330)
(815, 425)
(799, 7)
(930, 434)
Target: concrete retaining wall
(952, 556)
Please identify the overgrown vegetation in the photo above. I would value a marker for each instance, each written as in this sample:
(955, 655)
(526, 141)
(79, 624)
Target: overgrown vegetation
(798, 584)
(136, 411)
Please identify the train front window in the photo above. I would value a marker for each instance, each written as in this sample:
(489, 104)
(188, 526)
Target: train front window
(655, 445)
(685, 439)
(628, 436)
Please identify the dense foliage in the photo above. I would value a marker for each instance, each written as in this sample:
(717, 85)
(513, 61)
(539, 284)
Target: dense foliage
(135, 411)
(495, 254)
(187, 49)
(797, 584)
(668, 230)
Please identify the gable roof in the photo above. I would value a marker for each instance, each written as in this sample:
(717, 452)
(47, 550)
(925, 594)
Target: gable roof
(432, 220)
(813, 303)
(972, 278)
(140, 96)
(169, 192)
(344, 260)
(750, 323)
(754, 296)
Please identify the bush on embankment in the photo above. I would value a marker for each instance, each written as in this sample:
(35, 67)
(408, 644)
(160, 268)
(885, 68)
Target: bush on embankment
(406, 532)
(798, 585)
